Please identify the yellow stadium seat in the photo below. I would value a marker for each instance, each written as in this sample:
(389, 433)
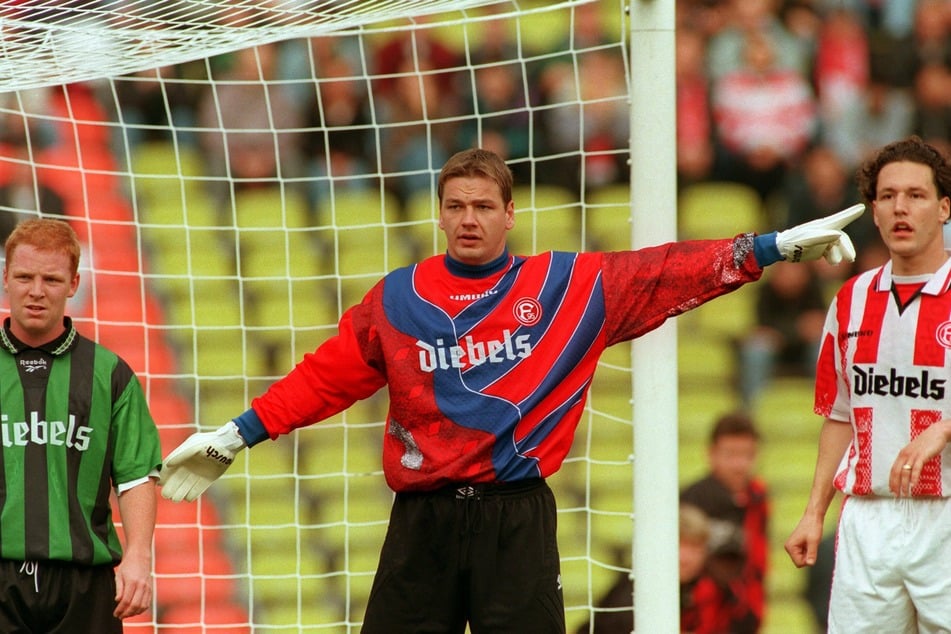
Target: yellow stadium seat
(608, 217)
(718, 209)
(547, 218)
(271, 207)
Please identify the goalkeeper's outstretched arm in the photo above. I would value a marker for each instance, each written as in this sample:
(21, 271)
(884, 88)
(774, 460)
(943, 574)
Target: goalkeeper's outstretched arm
(203, 457)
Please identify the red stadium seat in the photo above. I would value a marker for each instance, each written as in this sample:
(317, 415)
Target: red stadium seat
(179, 590)
(141, 624)
(211, 617)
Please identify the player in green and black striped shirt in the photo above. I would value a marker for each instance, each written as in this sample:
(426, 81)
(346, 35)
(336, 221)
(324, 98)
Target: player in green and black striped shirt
(74, 425)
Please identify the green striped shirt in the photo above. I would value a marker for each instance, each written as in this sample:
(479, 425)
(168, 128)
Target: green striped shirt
(74, 422)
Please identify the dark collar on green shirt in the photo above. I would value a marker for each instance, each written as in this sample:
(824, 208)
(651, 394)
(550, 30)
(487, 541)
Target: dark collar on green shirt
(55, 347)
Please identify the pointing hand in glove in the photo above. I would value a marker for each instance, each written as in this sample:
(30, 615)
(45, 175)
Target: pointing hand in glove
(819, 238)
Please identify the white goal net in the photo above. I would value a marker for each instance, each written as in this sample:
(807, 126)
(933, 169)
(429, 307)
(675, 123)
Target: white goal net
(242, 171)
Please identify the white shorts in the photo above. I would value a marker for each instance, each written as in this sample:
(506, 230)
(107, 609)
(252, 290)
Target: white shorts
(892, 567)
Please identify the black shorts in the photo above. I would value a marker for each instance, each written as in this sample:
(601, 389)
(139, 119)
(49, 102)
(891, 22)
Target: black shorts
(482, 555)
(52, 597)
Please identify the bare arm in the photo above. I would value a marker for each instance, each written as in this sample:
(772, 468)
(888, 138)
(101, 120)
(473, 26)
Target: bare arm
(134, 573)
(802, 544)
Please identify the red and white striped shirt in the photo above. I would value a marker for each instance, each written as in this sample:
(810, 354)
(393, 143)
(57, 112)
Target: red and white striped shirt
(775, 111)
(887, 370)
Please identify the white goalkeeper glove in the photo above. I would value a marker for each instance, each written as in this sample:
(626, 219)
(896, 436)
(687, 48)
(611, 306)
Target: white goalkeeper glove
(820, 238)
(199, 461)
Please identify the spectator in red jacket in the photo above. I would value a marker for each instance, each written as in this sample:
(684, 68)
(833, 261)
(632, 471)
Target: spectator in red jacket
(737, 503)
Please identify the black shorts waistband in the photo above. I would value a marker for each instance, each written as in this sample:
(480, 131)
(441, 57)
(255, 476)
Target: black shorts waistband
(479, 490)
(491, 489)
(55, 563)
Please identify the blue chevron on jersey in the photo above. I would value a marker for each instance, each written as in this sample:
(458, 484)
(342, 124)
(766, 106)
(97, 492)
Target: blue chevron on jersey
(476, 353)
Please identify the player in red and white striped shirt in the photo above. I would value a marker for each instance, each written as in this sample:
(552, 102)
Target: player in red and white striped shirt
(883, 383)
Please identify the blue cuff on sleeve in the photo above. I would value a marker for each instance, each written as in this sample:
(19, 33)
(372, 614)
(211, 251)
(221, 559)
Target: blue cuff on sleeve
(251, 428)
(765, 250)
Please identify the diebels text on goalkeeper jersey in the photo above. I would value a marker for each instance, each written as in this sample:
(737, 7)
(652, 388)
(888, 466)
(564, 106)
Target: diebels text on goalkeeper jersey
(72, 414)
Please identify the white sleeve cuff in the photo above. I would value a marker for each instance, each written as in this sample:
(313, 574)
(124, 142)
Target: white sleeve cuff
(131, 484)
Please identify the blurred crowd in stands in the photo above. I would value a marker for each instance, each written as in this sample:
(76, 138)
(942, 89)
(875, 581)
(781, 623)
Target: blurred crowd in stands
(789, 96)
(784, 96)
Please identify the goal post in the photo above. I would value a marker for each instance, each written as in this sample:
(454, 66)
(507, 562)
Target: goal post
(654, 363)
(240, 173)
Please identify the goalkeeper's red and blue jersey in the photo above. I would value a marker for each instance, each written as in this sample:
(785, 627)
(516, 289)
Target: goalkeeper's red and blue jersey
(488, 368)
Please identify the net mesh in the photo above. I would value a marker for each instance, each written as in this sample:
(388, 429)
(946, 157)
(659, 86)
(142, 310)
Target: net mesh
(51, 42)
(239, 173)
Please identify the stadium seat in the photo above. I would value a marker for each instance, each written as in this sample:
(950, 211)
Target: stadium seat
(728, 317)
(198, 252)
(419, 225)
(206, 302)
(281, 304)
(279, 253)
(140, 624)
(705, 362)
(217, 353)
(220, 399)
(207, 618)
(124, 301)
(171, 513)
(542, 31)
(166, 180)
(359, 208)
(559, 229)
(547, 218)
(144, 350)
(360, 251)
(173, 536)
(608, 215)
(368, 238)
(81, 179)
(271, 207)
(422, 206)
(79, 115)
(542, 197)
(718, 209)
(185, 576)
(180, 209)
(188, 557)
(164, 158)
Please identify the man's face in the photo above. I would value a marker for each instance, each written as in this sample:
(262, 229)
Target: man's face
(909, 216)
(732, 461)
(38, 283)
(475, 219)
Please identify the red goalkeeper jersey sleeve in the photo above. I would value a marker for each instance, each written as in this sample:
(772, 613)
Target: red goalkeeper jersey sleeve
(488, 369)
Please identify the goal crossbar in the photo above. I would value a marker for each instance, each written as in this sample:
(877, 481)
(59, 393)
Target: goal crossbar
(45, 44)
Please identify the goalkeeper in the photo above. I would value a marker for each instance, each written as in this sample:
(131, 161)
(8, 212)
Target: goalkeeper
(487, 357)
